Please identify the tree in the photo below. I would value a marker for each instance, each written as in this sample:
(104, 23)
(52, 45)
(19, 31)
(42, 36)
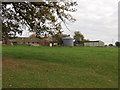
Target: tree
(77, 35)
(40, 17)
(86, 40)
(106, 45)
(110, 44)
(117, 44)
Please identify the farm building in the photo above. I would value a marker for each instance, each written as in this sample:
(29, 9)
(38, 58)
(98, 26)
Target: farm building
(94, 43)
(30, 41)
(23, 41)
(48, 41)
(68, 41)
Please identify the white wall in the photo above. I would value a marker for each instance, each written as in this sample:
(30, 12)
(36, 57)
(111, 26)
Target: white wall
(100, 43)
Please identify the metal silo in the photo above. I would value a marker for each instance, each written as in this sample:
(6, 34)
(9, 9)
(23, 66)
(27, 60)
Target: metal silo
(68, 41)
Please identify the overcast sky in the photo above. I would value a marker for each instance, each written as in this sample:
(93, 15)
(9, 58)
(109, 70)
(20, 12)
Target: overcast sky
(96, 20)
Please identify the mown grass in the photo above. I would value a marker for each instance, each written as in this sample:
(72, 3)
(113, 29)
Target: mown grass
(57, 67)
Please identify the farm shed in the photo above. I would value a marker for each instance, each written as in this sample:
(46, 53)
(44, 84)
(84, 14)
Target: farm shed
(23, 41)
(94, 43)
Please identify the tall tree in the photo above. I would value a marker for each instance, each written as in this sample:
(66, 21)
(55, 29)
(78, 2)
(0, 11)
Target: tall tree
(40, 17)
(78, 35)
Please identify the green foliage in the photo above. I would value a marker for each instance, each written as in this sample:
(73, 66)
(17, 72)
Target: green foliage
(40, 17)
(110, 44)
(86, 40)
(77, 35)
(117, 44)
(60, 67)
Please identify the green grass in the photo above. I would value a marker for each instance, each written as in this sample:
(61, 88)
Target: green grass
(57, 67)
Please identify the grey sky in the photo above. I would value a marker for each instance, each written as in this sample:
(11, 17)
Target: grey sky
(96, 20)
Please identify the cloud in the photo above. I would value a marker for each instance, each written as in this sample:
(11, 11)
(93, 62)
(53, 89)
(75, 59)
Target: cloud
(96, 19)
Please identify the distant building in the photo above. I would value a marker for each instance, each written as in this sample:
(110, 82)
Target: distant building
(68, 41)
(20, 41)
(23, 41)
(94, 43)
(33, 41)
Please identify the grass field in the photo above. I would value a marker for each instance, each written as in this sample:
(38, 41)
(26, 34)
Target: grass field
(60, 67)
